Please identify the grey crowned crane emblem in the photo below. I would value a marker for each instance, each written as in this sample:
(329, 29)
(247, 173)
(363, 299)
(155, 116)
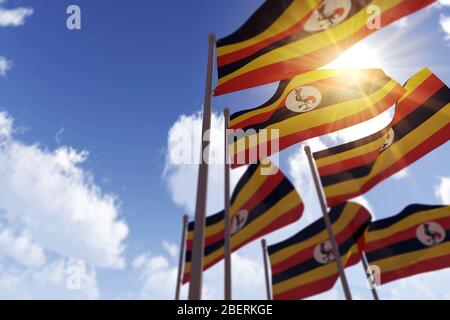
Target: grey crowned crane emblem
(323, 253)
(303, 99)
(431, 233)
(329, 18)
(238, 221)
(434, 237)
(388, 140)
(328, 14)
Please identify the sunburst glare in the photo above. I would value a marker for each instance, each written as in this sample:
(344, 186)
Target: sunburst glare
(359, 56)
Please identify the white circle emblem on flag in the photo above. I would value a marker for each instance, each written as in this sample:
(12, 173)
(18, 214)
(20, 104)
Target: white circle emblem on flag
(238, 221)
(323, 253)
(388, 140)
(430, 233)
(328, 14)
(303, 99)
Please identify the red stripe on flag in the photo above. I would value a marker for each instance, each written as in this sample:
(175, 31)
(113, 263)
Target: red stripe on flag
(416, 268)
(308, 290)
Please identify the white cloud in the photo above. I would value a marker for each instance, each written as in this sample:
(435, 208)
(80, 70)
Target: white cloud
(365, 203)
(6, 126)
(11, 18)
(444, 2)
(47, 282)
(181, 169)
(402, 23)
(21, 248)
(5, 65)
(427, 286)
(248, 277)
(401, 174)
(58, 136)
(171, 249)
(442, 191)
(445, 25)
(14, 17)
(50, 202)
(156, 275)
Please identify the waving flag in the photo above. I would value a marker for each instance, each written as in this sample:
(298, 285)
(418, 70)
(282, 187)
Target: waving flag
(263, 201)
(421, 124)
(417, 240)
(303, 265)
(284, 38)
(310, 105)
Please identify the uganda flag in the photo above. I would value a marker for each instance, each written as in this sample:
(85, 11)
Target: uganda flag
(310, 105)
(304, 265)
(285, 38)
(417, 240)
(421, 124)
(263, 201)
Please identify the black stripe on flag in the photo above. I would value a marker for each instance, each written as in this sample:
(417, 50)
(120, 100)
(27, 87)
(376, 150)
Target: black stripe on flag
(405, 213)
(399, 248)
(261, 20)
(357, 6)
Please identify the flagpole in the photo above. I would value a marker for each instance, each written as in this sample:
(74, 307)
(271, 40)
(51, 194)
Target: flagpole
(266, 269)
(366, 268)
(227, 240)
(181, 258)
(326, 217)
(198, 244)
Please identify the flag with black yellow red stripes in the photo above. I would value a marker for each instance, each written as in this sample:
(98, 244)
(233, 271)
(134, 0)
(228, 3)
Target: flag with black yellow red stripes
(417, 240)
(263, 201)
(284, 38)
(308, 106)
(421, 123)
(304, 265)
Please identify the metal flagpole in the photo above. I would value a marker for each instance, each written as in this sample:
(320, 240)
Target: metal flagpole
(326, 217)
(181, 259)
(227, 239)
(366, 271)
(198, 244)
(266, 269)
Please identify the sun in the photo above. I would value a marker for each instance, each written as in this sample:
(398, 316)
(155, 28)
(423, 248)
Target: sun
(358, 56)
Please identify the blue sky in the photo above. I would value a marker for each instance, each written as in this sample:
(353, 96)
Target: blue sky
(115, 89)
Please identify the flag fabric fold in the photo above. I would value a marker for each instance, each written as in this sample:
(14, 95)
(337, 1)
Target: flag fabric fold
(263, 201)
(417, 240)
(304, 265)
(284, 38)
(316, 103)
(421, 123)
